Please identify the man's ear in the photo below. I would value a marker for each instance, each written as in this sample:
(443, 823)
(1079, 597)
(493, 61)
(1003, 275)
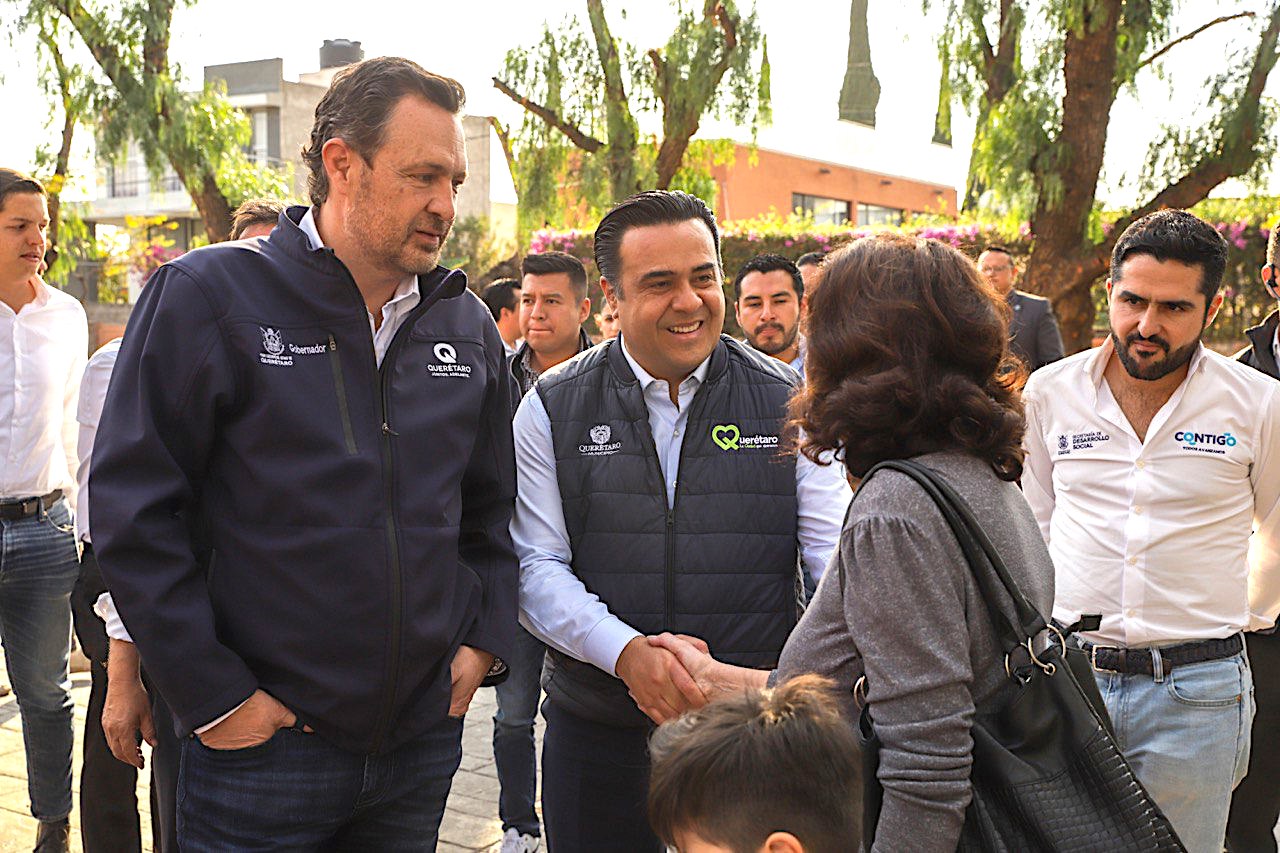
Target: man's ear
(782, 842)
(1109, 283)
(1213, 308)
(584, 310)
(338, 159)
(610, 293)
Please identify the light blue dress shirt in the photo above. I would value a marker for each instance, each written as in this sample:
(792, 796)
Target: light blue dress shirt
(555, 606)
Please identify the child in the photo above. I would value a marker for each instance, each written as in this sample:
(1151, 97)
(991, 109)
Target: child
(770, 771)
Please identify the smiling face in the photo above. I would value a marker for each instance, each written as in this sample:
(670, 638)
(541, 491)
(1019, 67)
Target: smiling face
(401, 203)
(551, 316)
(670, 306)
(24, 219)
(1158, 314)
(769, 312)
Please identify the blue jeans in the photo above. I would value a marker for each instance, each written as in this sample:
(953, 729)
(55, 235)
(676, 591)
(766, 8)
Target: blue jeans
(299, 792)
(513, 749)
(1186, 734)
(38, 569)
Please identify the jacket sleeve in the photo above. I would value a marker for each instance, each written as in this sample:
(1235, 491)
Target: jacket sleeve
(172, 384)
(1048, 338)
(488, 495)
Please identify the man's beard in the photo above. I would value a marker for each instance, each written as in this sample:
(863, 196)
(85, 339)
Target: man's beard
(1156, 369)
(388, 249)
(787, 340)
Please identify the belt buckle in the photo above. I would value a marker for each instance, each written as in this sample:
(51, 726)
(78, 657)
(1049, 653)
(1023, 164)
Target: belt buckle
(1093, 659)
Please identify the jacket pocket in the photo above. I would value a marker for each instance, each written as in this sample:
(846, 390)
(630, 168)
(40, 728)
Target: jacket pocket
(340, 388)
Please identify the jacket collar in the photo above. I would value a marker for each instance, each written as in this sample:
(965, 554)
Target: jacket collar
(295, 243)
(1261, 337)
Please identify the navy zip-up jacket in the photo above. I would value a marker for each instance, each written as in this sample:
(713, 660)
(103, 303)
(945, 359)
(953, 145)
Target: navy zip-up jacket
(271, 510)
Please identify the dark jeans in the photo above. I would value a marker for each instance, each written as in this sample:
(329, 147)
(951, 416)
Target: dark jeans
(108, 787)
(299, 792)
(1255, 805)
(595, 780)
(513, 749)
(38, 568)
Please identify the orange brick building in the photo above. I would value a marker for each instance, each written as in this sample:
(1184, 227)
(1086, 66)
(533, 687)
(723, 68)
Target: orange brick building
(831, 192)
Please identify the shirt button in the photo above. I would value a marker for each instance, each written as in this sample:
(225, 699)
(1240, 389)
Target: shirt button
(1133, 561)
(1131, 613)
(1137, 510)
(1141, 463)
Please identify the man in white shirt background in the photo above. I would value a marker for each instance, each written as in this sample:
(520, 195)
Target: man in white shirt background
(1255, 806)
(44, 338)
(1153, 467)
(768, 297)
(655, 491)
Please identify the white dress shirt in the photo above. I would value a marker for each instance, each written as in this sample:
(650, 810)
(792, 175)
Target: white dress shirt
(42, 354)
(93, 392)
(555, 606)
(406, 298)
(1170, 539)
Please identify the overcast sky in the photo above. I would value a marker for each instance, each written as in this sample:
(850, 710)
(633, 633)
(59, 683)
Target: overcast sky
(808, 42)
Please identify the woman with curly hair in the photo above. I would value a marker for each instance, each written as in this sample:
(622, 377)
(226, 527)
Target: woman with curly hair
(908, 358)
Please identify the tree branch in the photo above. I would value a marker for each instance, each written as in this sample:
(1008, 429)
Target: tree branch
(504, 139)
(1197, 31)
(576, 136)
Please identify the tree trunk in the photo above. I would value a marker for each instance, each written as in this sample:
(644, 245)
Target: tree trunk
(623, 132)
(860, 93)
(1061, 262)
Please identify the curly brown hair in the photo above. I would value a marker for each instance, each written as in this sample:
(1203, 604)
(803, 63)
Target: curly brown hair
(908, 353)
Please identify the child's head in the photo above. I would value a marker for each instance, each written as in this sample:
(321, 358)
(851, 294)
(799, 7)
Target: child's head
(771, 770)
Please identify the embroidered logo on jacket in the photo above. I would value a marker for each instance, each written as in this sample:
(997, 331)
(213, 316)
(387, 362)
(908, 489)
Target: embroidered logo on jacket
(600, 445)
(1071, 442)
(729, 437)
(273, 348)
(447, 358)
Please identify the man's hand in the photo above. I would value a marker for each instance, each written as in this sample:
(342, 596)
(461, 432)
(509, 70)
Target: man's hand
(127, 710)
(252, 724)
(657, 681)
(467, 670)
(713, 678)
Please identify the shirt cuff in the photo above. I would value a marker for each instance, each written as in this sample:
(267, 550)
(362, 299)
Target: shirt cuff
(606, 641)
(105, 607)
(210, 725)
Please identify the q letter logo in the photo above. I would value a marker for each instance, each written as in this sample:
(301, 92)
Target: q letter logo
(726, 436)
(446, 354)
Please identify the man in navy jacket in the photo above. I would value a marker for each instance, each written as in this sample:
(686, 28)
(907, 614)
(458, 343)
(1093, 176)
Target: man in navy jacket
(302, 486)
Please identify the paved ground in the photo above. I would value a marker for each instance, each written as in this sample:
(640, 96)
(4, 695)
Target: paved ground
(470, 822)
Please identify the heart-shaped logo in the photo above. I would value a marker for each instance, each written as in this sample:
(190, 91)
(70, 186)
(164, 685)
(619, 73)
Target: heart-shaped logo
(726, 436)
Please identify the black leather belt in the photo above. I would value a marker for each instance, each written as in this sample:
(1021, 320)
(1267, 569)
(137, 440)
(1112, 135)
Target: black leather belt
(27, 507)
(1138, 661)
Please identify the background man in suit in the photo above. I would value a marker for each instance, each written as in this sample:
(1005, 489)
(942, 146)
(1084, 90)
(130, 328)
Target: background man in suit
(1033, 332)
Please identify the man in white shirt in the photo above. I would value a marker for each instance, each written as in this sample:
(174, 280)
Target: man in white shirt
(1153, 467)
(655, 492)
(44, 338)
(768, 296)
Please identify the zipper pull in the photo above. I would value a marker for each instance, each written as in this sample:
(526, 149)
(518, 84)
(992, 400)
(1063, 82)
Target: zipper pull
(671, 518)
(333, 345)
(387, 430)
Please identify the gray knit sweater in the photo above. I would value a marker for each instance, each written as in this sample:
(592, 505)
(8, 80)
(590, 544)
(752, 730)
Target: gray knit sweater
(911, 616)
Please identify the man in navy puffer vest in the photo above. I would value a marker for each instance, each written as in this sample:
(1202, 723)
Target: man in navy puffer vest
(656, 492)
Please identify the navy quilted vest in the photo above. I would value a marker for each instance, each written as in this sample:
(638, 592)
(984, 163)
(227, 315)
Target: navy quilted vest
(722, 563)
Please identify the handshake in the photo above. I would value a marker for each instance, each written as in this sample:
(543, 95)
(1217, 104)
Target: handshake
(669, 674)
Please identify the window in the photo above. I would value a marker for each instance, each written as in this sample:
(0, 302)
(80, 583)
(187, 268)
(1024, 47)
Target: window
(874, 214)
(258, 151)
(825, 211)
